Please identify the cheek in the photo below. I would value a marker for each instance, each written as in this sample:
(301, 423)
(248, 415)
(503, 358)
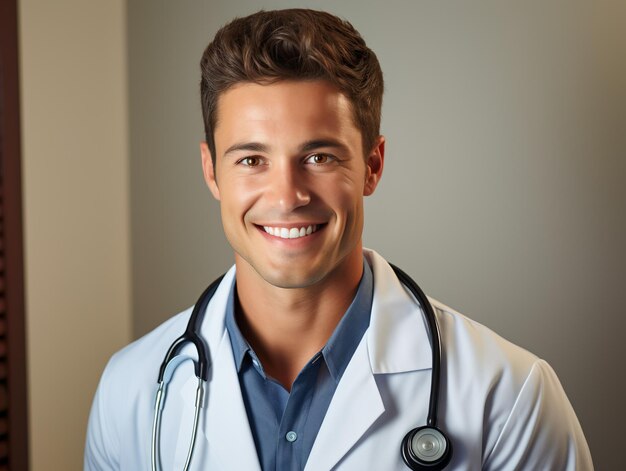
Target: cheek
(345, 196)
(237, 196)
(348, 191)
(234, 205)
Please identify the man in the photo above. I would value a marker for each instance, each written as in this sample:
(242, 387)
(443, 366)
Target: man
(320, 358)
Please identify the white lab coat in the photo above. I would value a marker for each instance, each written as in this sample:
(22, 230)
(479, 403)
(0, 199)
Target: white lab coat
(502, 407)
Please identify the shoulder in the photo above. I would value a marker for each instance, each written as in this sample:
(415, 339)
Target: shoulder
(500, 403)
(131, 373)
(135, 368)
(518, 407)
(475, 344)
(130, 361)
(124, 398)
(488, 368)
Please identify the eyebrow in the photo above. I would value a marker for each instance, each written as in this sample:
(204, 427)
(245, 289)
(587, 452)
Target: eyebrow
(317, 143)
(308, 146)
(247, 146)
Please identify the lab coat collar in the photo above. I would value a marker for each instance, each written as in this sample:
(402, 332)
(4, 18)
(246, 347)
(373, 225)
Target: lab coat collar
(397, 341)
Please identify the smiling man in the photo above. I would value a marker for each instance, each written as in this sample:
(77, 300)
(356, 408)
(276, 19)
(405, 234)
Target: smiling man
(319, 354)
(290, 174)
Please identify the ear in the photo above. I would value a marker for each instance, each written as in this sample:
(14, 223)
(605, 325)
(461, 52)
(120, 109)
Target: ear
(208, 170)
(375, 163)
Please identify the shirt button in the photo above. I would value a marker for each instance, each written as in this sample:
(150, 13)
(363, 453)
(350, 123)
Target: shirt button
(291, 436)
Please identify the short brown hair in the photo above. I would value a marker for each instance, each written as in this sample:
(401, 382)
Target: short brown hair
(294, 44)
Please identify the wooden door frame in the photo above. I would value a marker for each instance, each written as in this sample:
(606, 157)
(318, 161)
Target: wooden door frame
(11, 194)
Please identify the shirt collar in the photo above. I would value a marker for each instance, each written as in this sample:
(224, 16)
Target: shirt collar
(238, 342)
(342, 343)
(340, 347)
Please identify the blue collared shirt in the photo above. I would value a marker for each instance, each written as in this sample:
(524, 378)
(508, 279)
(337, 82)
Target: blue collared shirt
(284, 425)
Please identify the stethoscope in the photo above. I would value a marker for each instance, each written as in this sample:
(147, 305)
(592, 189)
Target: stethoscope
(424, 448)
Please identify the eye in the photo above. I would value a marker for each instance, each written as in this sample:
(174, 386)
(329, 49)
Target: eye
(319, 159)
(250, 161)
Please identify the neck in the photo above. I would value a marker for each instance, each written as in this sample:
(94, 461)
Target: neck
(287, 326)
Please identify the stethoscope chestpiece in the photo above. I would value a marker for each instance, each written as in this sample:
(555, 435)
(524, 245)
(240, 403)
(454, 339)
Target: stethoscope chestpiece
(426, 448)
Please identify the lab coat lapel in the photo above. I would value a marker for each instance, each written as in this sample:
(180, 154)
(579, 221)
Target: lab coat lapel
(396, 341)
(227, 433)
(224, 437)
(354, 407)
(227, 429)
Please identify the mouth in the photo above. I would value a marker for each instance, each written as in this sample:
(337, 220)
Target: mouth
(293, 232)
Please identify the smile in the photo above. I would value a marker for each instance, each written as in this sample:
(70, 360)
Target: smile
(291, 233)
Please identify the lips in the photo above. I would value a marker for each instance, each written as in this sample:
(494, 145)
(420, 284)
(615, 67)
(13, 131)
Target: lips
(291, 232)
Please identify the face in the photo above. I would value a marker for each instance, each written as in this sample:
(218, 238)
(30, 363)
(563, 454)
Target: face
(290, 175)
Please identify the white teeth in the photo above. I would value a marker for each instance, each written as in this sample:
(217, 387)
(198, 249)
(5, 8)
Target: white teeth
(293, 233)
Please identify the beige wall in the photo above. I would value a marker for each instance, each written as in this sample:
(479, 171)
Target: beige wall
(75, 159)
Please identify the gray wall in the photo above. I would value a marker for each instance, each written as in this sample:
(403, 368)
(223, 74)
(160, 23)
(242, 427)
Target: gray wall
(505, 168)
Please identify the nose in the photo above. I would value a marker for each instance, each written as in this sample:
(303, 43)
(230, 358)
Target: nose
(288, 187)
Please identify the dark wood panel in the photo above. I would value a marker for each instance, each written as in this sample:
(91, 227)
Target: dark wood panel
(13, 392)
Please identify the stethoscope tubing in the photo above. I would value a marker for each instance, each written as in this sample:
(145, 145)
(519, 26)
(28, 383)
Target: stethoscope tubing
(435, 339)
(191, 335)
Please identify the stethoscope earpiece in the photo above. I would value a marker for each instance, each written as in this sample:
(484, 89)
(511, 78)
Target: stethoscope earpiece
(426, 448)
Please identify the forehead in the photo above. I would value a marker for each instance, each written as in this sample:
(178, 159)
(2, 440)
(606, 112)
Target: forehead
(293, 107)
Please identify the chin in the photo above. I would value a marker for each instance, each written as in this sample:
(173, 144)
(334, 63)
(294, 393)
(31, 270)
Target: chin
(289, 278)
